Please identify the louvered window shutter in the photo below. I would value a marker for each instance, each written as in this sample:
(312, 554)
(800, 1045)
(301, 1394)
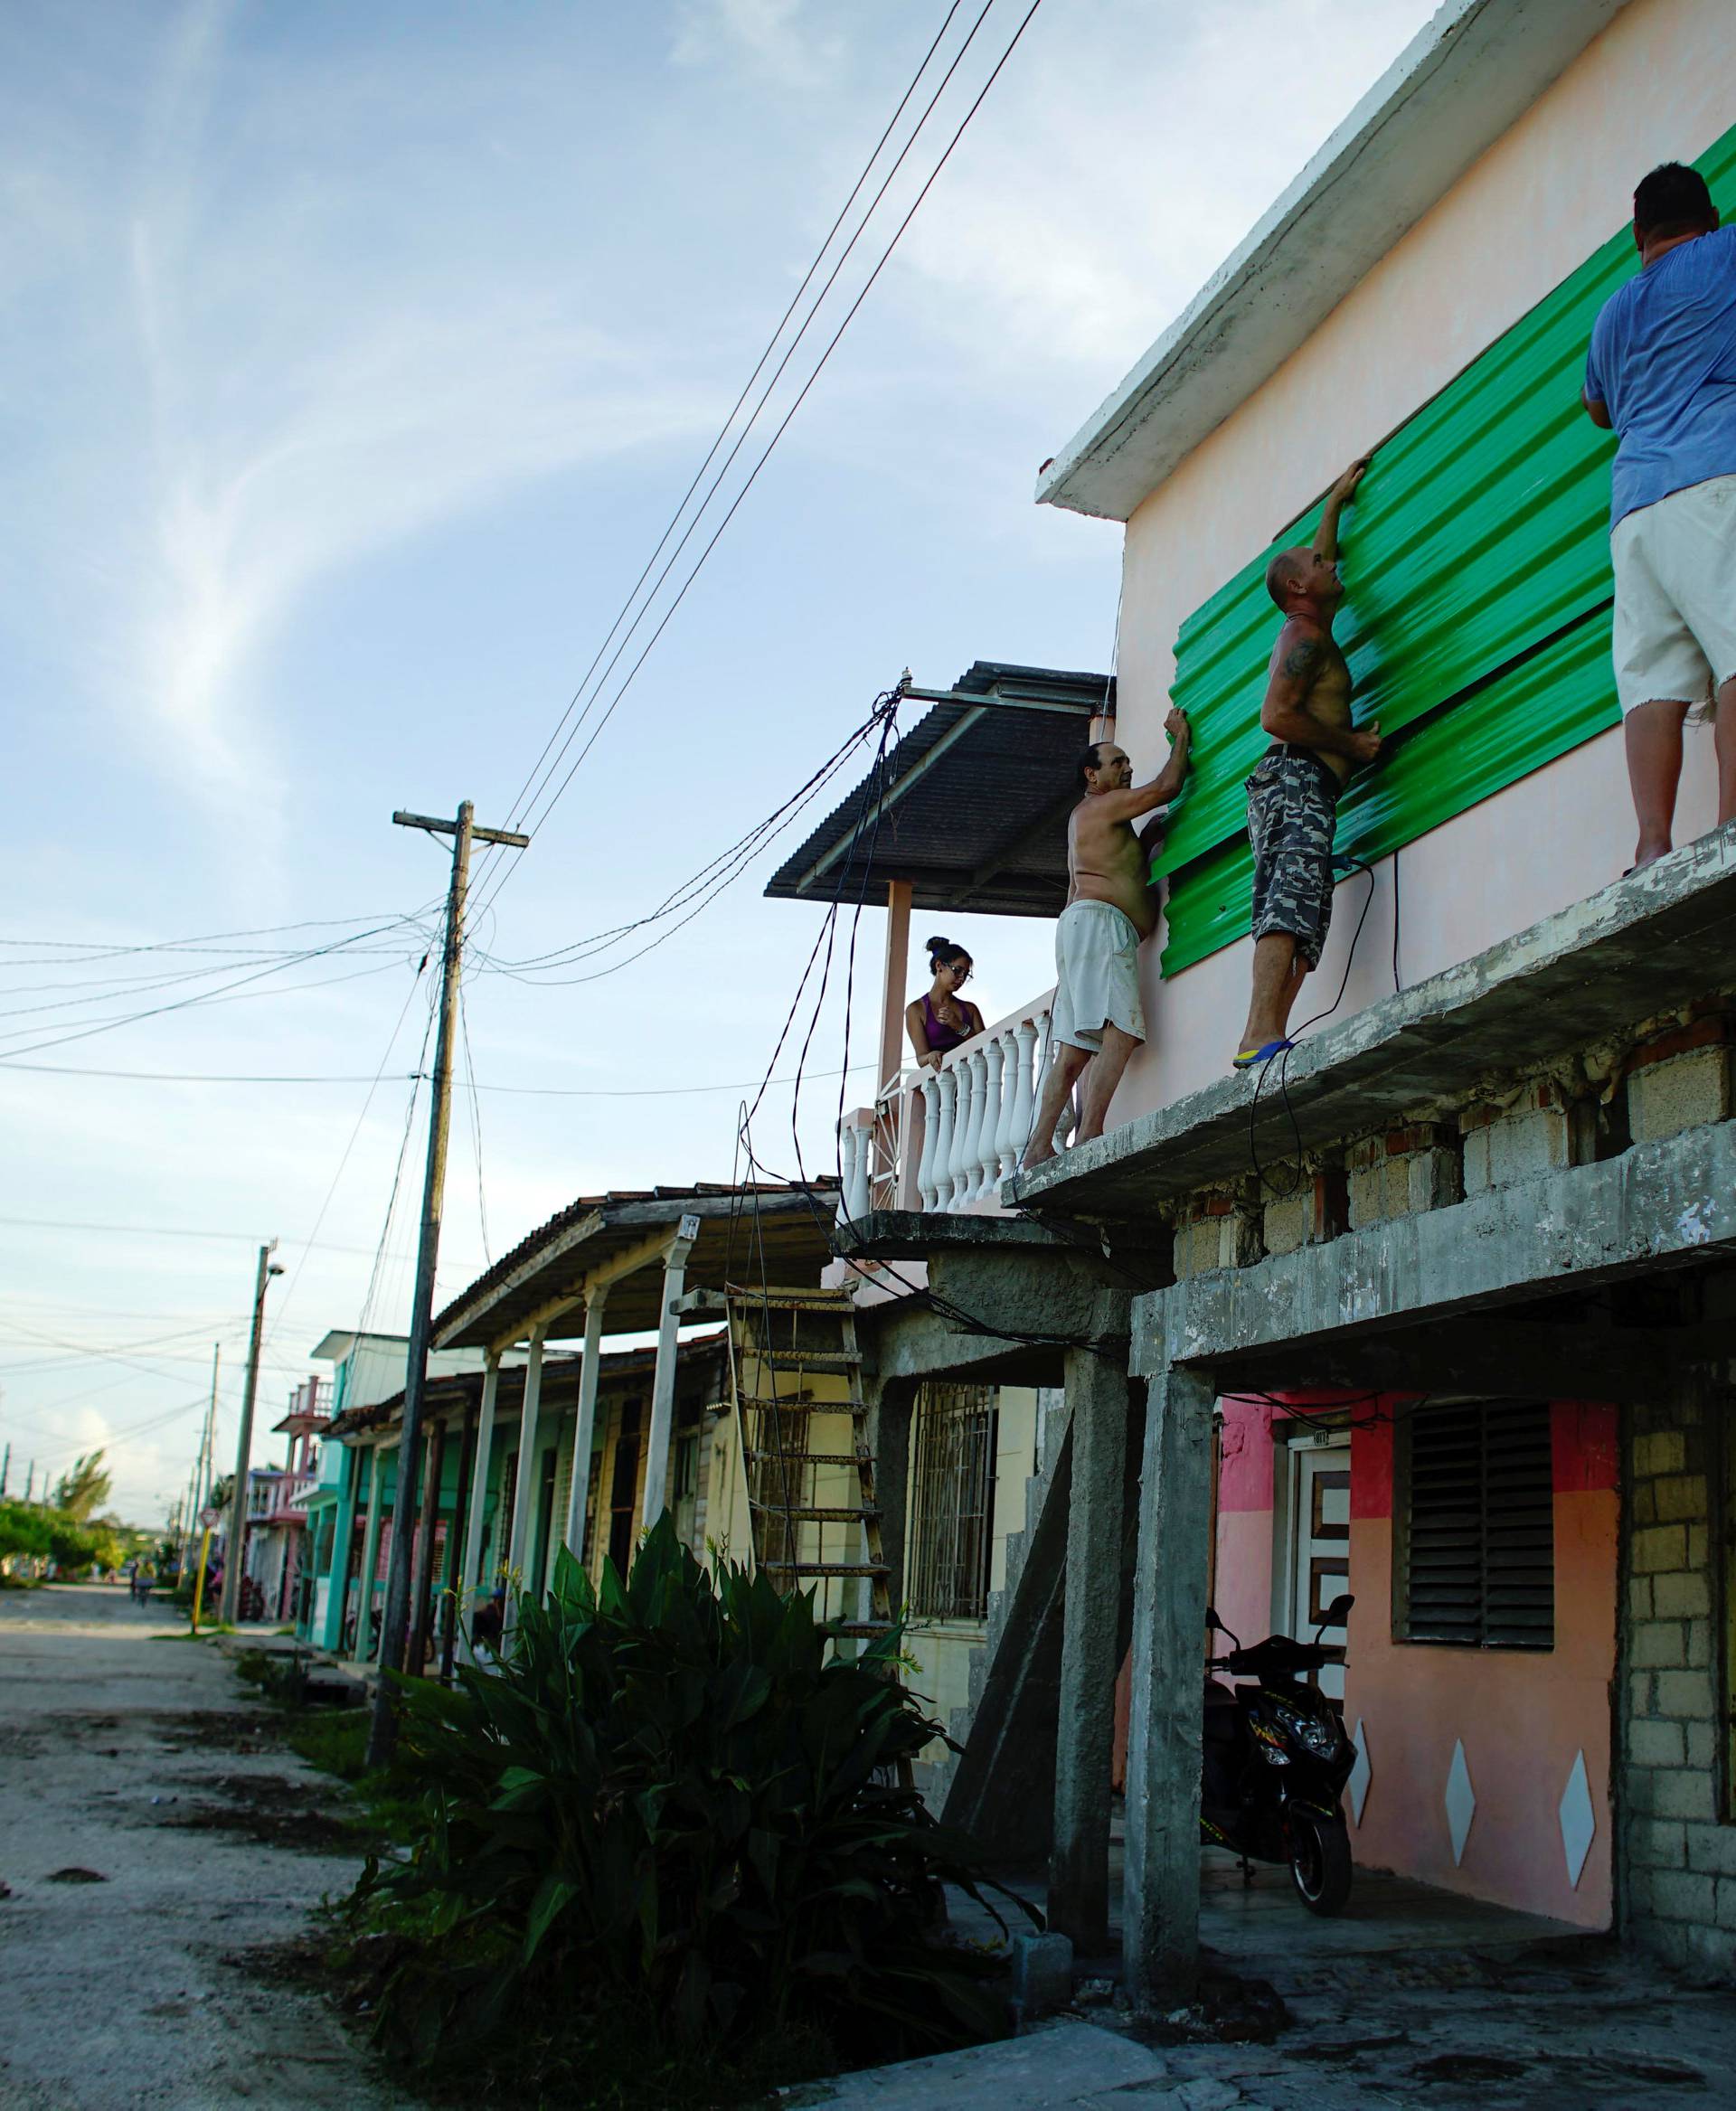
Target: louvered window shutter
(1478, 1544)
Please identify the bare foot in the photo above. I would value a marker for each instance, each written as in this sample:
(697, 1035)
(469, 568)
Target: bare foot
(1036, 1153)
(1648, 853)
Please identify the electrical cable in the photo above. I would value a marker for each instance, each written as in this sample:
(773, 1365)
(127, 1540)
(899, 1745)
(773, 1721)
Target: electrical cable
(182, 1004)
(700, 891)
(475, 1125)
(776, 435)
(735, 408)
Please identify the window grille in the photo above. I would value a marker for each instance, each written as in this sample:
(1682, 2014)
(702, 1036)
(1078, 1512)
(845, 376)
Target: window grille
(952, 1503)
(1477, 1541)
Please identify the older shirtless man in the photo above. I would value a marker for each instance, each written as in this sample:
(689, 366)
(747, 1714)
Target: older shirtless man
(1293, 792)
(1111, 906)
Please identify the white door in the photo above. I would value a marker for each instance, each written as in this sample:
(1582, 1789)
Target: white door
(1319, 1564)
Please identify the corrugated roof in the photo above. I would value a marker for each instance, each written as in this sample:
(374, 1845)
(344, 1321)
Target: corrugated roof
(735, 1224)
(560, 1378)
(975, 813)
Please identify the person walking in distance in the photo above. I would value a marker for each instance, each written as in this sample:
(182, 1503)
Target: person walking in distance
(940, 1020)
(1111, 906)
(1293, 792)
(1661, 374)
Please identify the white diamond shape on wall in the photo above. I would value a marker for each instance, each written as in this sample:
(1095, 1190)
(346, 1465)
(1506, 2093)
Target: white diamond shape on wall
(1361, 1774)
(1578, 1821)
(1461, 1802)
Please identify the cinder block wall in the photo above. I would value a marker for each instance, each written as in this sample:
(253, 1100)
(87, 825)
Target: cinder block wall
(1677, 1896)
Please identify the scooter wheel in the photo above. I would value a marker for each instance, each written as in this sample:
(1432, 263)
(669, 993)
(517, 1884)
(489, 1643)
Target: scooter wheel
(1319, 1862)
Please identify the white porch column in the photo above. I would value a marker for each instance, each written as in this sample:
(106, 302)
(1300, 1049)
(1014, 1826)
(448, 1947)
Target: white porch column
(362, 1653)
(525, 1487)
(474, 1502)
(585, 1429)
(663, 1385)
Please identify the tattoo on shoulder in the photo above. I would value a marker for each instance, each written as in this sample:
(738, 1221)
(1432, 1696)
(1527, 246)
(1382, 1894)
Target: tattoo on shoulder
(1303, 658)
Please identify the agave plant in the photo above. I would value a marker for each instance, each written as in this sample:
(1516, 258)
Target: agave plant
(673, 1792)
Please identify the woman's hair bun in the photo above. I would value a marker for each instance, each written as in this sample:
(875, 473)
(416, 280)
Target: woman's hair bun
(939, 945)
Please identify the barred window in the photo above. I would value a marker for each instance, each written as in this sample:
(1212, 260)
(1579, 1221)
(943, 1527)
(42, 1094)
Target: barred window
(952, 1501)
(1475, 1545)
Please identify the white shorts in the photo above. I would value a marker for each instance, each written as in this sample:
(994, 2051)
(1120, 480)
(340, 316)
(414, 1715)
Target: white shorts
(1097, 975)
(1675, 596)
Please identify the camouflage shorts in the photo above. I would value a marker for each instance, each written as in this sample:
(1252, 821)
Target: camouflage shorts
(1292, 811)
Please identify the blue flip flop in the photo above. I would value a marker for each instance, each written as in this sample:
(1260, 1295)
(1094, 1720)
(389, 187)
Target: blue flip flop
(1251, 1056)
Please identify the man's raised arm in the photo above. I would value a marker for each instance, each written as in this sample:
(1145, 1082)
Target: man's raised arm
(1326, 536)
(1163, 787)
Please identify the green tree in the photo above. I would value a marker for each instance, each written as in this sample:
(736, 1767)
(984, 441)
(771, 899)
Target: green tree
(23, 1530)
(83, 1488)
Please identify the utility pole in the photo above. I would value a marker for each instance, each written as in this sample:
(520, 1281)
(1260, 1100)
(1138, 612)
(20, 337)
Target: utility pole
(238, 1499)
(382, 1732)
(6, 1471)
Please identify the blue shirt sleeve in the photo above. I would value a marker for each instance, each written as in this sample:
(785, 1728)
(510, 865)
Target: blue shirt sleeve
(1594, 388)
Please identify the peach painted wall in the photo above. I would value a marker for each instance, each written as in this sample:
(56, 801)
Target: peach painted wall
(1522, 1715)
(1660, 83)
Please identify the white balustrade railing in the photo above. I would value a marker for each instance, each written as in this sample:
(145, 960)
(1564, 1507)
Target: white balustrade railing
(943, 1138)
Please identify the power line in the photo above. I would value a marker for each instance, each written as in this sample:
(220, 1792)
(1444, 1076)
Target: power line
(778, 434)
(514, 1091)
(735, 408)
(181, 1004)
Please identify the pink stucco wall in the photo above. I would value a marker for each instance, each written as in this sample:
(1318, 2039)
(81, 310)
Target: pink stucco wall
(1523, 1716)
(1659, 83)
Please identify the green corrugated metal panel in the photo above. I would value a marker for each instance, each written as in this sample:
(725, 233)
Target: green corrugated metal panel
(1509, 727)
(1480, 530)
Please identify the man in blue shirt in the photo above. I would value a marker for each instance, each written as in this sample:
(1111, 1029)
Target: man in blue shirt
(1661, 373)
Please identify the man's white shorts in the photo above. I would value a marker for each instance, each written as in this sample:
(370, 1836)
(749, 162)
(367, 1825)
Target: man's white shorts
(1097, 975)
(1675, 596)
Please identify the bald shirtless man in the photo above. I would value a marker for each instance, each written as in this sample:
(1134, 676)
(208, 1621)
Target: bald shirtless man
(1293, 792)
(1111, 906)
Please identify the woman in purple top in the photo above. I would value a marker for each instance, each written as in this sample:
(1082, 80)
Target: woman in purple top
(940, 1021)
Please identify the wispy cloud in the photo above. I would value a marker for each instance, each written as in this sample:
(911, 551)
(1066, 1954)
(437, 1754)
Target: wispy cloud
(778, 39)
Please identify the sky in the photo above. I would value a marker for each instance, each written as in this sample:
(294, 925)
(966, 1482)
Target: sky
(354, 361)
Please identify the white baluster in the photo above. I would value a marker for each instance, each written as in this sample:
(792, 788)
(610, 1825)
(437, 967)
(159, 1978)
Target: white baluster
(847, 1148)
(945, 1093)
(988, 1155)
(1024, 1105)
(860, 1200)
(964, 1070)
(925, 1177)
(1001, 1164)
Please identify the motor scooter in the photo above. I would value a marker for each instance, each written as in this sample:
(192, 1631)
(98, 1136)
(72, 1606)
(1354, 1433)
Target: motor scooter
(1275, 1762)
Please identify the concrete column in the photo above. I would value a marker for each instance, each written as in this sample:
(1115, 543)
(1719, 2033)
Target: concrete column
(363, 1652)
(524, 1490)
(584, 1431)
(468, 1577)
(332, 1633)
(1161, 1908)
(663, 1384)
(1079, 1868)
(891, 1409)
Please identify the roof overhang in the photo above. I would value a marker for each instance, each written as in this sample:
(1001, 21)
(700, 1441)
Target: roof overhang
(1462, 81)
(973, 810)
(617, 1244)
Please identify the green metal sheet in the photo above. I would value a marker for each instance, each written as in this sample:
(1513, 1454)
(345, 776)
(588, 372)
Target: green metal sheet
(1479, 533)
(1522, 719)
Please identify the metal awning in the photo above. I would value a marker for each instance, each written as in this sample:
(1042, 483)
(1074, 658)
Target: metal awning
(781, 1233)
(975, 815)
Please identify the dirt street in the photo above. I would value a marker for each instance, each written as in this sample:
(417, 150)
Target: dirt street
(128, 1779)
